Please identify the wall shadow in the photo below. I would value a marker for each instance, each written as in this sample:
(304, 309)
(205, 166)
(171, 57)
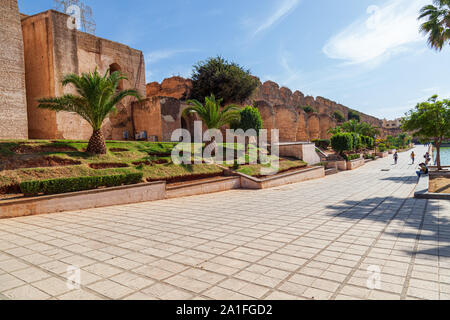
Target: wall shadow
(410, 212)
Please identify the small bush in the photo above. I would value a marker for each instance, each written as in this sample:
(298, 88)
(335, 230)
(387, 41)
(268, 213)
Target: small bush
(354, 115)
(342, 142)
(308, 109)
(250, 119)
(369, 156)
(338, 116)
(322, 143)
(382, 147)
(351, 157)
(64, 185)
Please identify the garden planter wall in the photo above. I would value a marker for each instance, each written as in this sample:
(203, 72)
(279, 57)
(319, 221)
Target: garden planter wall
(83, 200)
(203, 187)
(392, 151)
(382, 154)
(352, 165)
(300, 150)
(248, 182)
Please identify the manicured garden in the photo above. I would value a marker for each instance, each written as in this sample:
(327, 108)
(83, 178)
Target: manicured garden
(43, 160)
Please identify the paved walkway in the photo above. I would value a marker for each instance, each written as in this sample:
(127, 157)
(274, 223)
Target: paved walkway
(313, 240)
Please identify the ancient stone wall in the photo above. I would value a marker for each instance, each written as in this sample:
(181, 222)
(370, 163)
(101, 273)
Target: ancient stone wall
(147, 117)
(52, 50)
(175, 87)
(13, 108)
(279, 108)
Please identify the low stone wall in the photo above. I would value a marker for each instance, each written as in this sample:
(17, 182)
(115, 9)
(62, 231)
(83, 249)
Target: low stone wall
(83, 200)
(203, 187)
(248, 182)
(352, 165)
(300, 150)
(382, 154)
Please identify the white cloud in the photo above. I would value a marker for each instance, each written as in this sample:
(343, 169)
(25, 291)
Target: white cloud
(387, 30)
(286, 7)
(156, 56)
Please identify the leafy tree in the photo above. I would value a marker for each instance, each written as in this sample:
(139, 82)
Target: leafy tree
(225, 80)
(430, 121)
(250, 119)
(342, 142)
(437, 25)
(212, 115)
(354, 115)
(338, 116)
(362, 128)
(97, 97)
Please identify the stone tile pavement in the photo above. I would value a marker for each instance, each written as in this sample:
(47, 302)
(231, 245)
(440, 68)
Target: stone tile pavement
(333, 238)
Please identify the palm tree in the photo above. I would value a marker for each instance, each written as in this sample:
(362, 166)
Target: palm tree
(211, 114)
(97, 97)
(437, 26)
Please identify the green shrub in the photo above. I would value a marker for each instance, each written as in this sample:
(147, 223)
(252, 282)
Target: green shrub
(369, 156)
(342, 142)
(351, 157)
(226, 80)
(64, 185)
(308, 109)
(354, 115)
(250, 119)
(322, 143)
(382, 147)
(338, 116)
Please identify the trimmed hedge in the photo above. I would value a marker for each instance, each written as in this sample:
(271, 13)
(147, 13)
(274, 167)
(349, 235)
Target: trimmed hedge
(322, 143)
(351, 157)
(341, 142)
(65, 185)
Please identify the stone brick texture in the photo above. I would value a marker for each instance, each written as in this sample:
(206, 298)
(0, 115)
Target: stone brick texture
(13, 108)
(279, 108)
(52, 50)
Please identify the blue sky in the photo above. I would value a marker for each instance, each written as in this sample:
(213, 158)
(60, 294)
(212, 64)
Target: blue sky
(365, 54)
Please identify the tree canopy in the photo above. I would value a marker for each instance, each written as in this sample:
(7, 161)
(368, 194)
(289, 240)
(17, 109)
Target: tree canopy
(430, 121)
(225, 80)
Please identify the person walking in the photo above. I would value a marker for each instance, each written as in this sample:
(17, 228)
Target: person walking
(396, 157)
(413, 157)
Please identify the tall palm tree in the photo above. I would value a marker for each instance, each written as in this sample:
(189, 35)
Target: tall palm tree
(97, 98)
(211, 114)
(437, 26)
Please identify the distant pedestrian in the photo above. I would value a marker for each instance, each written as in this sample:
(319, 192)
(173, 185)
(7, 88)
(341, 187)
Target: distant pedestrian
(413, 157)
(396, 157)
(427, 158)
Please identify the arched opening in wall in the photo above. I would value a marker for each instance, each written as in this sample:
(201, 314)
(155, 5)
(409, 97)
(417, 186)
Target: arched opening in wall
(113, 68)
(187, 123)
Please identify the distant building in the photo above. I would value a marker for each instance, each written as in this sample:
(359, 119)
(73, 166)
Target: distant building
(392, 124)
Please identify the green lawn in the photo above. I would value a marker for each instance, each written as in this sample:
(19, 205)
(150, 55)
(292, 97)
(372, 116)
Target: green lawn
(152, 159)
